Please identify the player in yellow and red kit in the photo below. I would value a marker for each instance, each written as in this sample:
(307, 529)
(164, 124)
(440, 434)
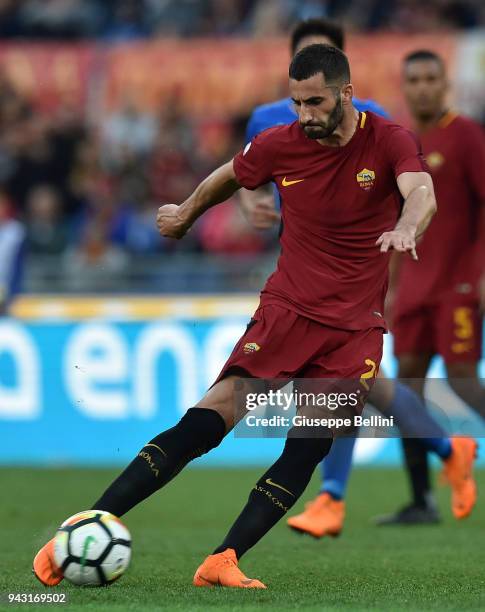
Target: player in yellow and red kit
(440, 298)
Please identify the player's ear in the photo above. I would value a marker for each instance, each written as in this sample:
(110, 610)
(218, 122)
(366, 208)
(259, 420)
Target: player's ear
(347, 92)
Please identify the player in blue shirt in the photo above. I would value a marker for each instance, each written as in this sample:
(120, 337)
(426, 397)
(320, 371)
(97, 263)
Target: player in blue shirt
(325, 515)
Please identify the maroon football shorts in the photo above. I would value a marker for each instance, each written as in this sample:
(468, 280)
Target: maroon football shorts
(281, 344)
(451, 328)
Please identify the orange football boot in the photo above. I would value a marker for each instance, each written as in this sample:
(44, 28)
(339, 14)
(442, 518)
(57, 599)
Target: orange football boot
(323, 516)
(458, 473)
(222, 570)
(44, 566)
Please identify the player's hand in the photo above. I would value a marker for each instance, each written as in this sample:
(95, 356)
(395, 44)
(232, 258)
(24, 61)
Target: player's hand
(402, 240)
(170, 222)
(260, 212)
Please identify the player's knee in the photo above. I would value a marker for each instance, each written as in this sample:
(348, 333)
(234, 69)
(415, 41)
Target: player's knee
(464, 381)
(461, 370)
(220, 398)
(413, 368)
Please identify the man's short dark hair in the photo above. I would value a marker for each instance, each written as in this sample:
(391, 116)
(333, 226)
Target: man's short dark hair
(423, 55)
(328, 60)
(317, 27)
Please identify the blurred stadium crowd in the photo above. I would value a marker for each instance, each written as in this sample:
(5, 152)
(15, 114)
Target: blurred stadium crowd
(121, 20)
(79, 197)
(88, 193)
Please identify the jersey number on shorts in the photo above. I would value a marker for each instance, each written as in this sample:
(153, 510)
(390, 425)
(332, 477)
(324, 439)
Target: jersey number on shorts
(462, 318)
(369, 374)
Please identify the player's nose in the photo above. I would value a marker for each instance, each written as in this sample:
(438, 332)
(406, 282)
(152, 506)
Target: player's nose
(306, 116)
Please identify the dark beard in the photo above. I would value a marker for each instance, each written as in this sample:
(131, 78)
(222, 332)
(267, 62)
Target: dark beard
(319, 131)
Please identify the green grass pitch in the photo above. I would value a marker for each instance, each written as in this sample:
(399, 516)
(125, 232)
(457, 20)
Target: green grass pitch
(367, 568)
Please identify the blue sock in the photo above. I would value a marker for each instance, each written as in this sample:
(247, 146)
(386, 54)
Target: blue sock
(414, 421)
(440, 446)
(335, 468)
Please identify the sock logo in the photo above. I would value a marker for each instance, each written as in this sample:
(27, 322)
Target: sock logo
(274, 484)
(274, 500)
(148, 458)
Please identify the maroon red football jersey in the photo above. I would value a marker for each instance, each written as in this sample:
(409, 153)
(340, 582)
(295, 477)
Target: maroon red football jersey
(336, 202)
(449, 258)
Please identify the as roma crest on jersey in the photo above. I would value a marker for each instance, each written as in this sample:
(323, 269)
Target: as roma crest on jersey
(366, 178)
(251, 347)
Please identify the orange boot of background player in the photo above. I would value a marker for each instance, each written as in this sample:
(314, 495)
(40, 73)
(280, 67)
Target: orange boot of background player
(221, 570)
(458, 473)
(323, 516)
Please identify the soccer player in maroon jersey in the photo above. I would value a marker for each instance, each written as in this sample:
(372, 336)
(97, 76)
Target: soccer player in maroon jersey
(325, 514)
(354, 187)
(440, 299)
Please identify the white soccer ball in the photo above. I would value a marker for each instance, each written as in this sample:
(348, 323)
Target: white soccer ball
(92, 548)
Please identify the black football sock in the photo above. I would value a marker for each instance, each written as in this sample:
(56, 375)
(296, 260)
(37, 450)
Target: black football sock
(197, 432)
(276, 492)
(418, 470)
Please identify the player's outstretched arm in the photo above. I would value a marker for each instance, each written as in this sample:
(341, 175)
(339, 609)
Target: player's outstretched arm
(419, 207)
(174, 221)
